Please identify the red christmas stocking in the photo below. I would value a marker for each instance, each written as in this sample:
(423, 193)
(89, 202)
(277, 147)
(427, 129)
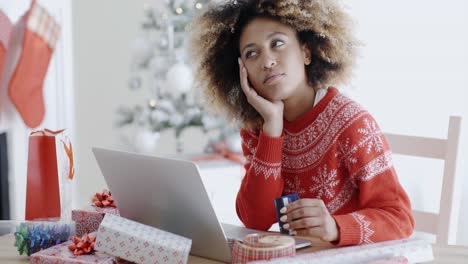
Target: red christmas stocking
(5, 29)
(26, 84)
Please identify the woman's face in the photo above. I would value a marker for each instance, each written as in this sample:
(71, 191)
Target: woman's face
(274, 58)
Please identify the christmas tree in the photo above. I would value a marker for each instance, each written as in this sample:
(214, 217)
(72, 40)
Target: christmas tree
(160, 54)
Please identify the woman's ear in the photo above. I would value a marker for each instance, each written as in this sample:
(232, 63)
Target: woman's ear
(306, 54)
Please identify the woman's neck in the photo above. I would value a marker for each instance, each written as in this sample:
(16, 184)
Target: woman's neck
(299, 104)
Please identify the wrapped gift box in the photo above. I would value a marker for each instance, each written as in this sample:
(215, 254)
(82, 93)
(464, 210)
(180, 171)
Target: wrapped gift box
(60, 254)
(140, 243)
(88, 220)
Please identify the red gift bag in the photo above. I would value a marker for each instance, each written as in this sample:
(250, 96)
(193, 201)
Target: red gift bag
(50, 171)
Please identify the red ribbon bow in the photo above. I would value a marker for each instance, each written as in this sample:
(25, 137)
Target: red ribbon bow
(104, 199)
(83, 245)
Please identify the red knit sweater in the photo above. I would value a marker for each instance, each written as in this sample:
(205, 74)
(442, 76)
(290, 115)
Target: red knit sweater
(335, 152)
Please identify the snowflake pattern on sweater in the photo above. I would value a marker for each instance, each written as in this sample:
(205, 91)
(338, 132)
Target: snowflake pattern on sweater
(364, 229)
(335, 152)
(324, 183)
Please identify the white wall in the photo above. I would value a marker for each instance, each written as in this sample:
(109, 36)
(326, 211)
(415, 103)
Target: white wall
(102, 32)
(411, 76)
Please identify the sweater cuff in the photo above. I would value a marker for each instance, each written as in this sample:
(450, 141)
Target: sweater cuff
(269, 149)
(349, 229)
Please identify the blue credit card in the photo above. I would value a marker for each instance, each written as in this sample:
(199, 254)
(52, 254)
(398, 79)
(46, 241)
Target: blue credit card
(282, 202)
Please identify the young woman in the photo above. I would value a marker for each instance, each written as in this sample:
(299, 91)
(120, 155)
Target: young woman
(269, 65)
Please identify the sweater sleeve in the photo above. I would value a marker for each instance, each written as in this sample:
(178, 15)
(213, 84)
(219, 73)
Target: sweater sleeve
(262, 181)
(384, 207)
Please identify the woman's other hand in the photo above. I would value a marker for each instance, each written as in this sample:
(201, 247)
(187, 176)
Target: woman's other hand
(310, 217)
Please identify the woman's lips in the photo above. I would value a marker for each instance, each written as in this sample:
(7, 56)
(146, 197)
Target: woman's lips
(274, 78)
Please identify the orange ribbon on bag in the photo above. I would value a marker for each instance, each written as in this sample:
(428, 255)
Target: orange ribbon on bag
(46, 132)
(69, 151)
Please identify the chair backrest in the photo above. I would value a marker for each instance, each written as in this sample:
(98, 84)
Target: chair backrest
(442, 149)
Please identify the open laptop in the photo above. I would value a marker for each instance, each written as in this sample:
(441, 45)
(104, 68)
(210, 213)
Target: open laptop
(169, 194)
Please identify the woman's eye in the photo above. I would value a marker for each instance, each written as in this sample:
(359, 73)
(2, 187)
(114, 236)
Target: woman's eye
(250, 54)
(278, 43)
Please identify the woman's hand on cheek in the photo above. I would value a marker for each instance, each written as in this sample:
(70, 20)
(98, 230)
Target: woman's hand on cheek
(271, 112)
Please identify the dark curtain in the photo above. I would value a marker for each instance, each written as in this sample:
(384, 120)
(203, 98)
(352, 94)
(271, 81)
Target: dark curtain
(4, 186)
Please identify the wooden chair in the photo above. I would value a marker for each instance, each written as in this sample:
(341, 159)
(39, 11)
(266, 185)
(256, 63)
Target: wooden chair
(442, 149)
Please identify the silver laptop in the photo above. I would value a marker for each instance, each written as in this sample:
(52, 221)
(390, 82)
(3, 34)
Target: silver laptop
(169, 194)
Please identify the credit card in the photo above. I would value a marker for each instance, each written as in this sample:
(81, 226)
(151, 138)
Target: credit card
(282, 202)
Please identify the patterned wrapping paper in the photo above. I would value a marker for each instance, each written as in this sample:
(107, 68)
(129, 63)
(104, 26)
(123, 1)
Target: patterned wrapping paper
(411, 250)
(88, 220)
(60, 254)
(140, 243)
(391, 260)
(263, 247)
